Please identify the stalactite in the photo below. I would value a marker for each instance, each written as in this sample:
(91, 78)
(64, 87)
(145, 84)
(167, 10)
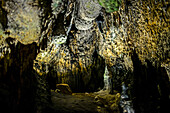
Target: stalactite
(71, 22)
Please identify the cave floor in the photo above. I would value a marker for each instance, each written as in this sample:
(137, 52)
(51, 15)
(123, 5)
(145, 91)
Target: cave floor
(83, 103)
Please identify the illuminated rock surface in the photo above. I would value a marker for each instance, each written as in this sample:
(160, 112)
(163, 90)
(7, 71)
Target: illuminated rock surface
(44, 43)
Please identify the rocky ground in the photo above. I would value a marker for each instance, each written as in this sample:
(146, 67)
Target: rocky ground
(98, 102)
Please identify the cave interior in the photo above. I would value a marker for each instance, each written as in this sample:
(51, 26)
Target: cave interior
(84, 56)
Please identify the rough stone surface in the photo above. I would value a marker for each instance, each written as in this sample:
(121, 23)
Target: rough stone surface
(133, 42)
(64, 89)
(21, 88)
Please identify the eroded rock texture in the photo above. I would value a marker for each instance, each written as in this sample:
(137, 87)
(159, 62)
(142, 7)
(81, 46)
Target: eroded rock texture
(71, 41)
(21, 89)
(73, 55)
(139, 29)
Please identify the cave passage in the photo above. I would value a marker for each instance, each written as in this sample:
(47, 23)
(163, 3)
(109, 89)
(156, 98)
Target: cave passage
(84, 56)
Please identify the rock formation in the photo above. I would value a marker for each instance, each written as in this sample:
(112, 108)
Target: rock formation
(44, 43)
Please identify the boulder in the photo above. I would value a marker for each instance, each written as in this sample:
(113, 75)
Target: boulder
(64, 89)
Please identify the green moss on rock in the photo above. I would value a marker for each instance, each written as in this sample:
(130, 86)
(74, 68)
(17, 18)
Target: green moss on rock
(110, 5)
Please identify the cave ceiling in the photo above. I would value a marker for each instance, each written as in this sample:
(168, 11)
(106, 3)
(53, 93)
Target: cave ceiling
(74, 29)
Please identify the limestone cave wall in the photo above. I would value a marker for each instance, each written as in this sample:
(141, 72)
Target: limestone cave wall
(44, 43)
